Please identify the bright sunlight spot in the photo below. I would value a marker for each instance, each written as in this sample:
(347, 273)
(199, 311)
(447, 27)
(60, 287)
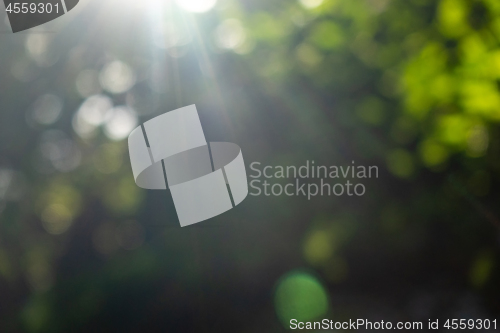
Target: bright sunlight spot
(196, 6)
(310, 3)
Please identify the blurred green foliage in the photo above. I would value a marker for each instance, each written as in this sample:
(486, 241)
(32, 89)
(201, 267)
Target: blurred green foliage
(411, 86)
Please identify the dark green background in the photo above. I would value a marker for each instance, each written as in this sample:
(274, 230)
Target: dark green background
(411, 86)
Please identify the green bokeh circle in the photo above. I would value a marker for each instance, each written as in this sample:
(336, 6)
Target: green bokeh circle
(300, 296)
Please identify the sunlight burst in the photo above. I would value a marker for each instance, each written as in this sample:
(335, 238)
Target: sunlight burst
(196, 6)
